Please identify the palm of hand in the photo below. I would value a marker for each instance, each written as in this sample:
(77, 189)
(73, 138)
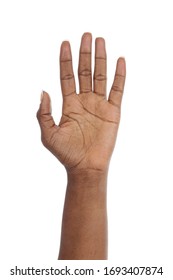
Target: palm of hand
(79, 140)
(86, 134)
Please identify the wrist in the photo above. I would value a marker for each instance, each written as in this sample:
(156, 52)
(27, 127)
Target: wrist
(88, 188)
(87, 177)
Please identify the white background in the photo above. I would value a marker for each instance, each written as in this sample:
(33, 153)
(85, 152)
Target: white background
(33, 182)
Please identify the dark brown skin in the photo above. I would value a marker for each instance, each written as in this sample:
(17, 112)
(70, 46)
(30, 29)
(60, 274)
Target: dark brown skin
(83, 142)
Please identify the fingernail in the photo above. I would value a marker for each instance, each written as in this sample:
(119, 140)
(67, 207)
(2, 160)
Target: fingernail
(41, 96)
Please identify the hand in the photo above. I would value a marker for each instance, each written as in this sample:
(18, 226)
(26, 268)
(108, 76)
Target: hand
(86, 134)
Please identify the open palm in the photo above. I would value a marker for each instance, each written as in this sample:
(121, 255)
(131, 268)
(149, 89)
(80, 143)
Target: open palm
(86, 134)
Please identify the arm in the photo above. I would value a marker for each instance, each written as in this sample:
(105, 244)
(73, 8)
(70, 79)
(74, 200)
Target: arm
(83, 142)
(84, 226)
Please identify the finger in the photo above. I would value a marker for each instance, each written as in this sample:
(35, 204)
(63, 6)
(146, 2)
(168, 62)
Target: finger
(84, 69)
(100, 67)
(66, 70)
(44, 113)
(117, 89)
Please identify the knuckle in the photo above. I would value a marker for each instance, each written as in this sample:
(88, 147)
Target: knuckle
(100, 77)
(117, 88)
(67, 76)
(119, 80)
(85, 72)
(102, 58)
(120, 77)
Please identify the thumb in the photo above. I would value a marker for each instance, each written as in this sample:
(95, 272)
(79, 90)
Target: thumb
(44, 116)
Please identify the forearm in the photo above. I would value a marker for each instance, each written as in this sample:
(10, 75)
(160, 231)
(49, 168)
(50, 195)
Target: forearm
(84, 223)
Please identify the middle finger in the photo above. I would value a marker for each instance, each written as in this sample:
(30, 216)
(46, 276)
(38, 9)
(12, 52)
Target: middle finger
(84, 69)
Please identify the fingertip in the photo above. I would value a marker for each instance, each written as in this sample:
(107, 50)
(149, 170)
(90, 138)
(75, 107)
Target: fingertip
(65, 51)
(45, 104)
(121, 66)
(88, 34)
(65, 43)
(86, 42)
(122, 57)
(100, 48)
(45, 100)
(100, 39)
(122, 60)
(43, 95)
